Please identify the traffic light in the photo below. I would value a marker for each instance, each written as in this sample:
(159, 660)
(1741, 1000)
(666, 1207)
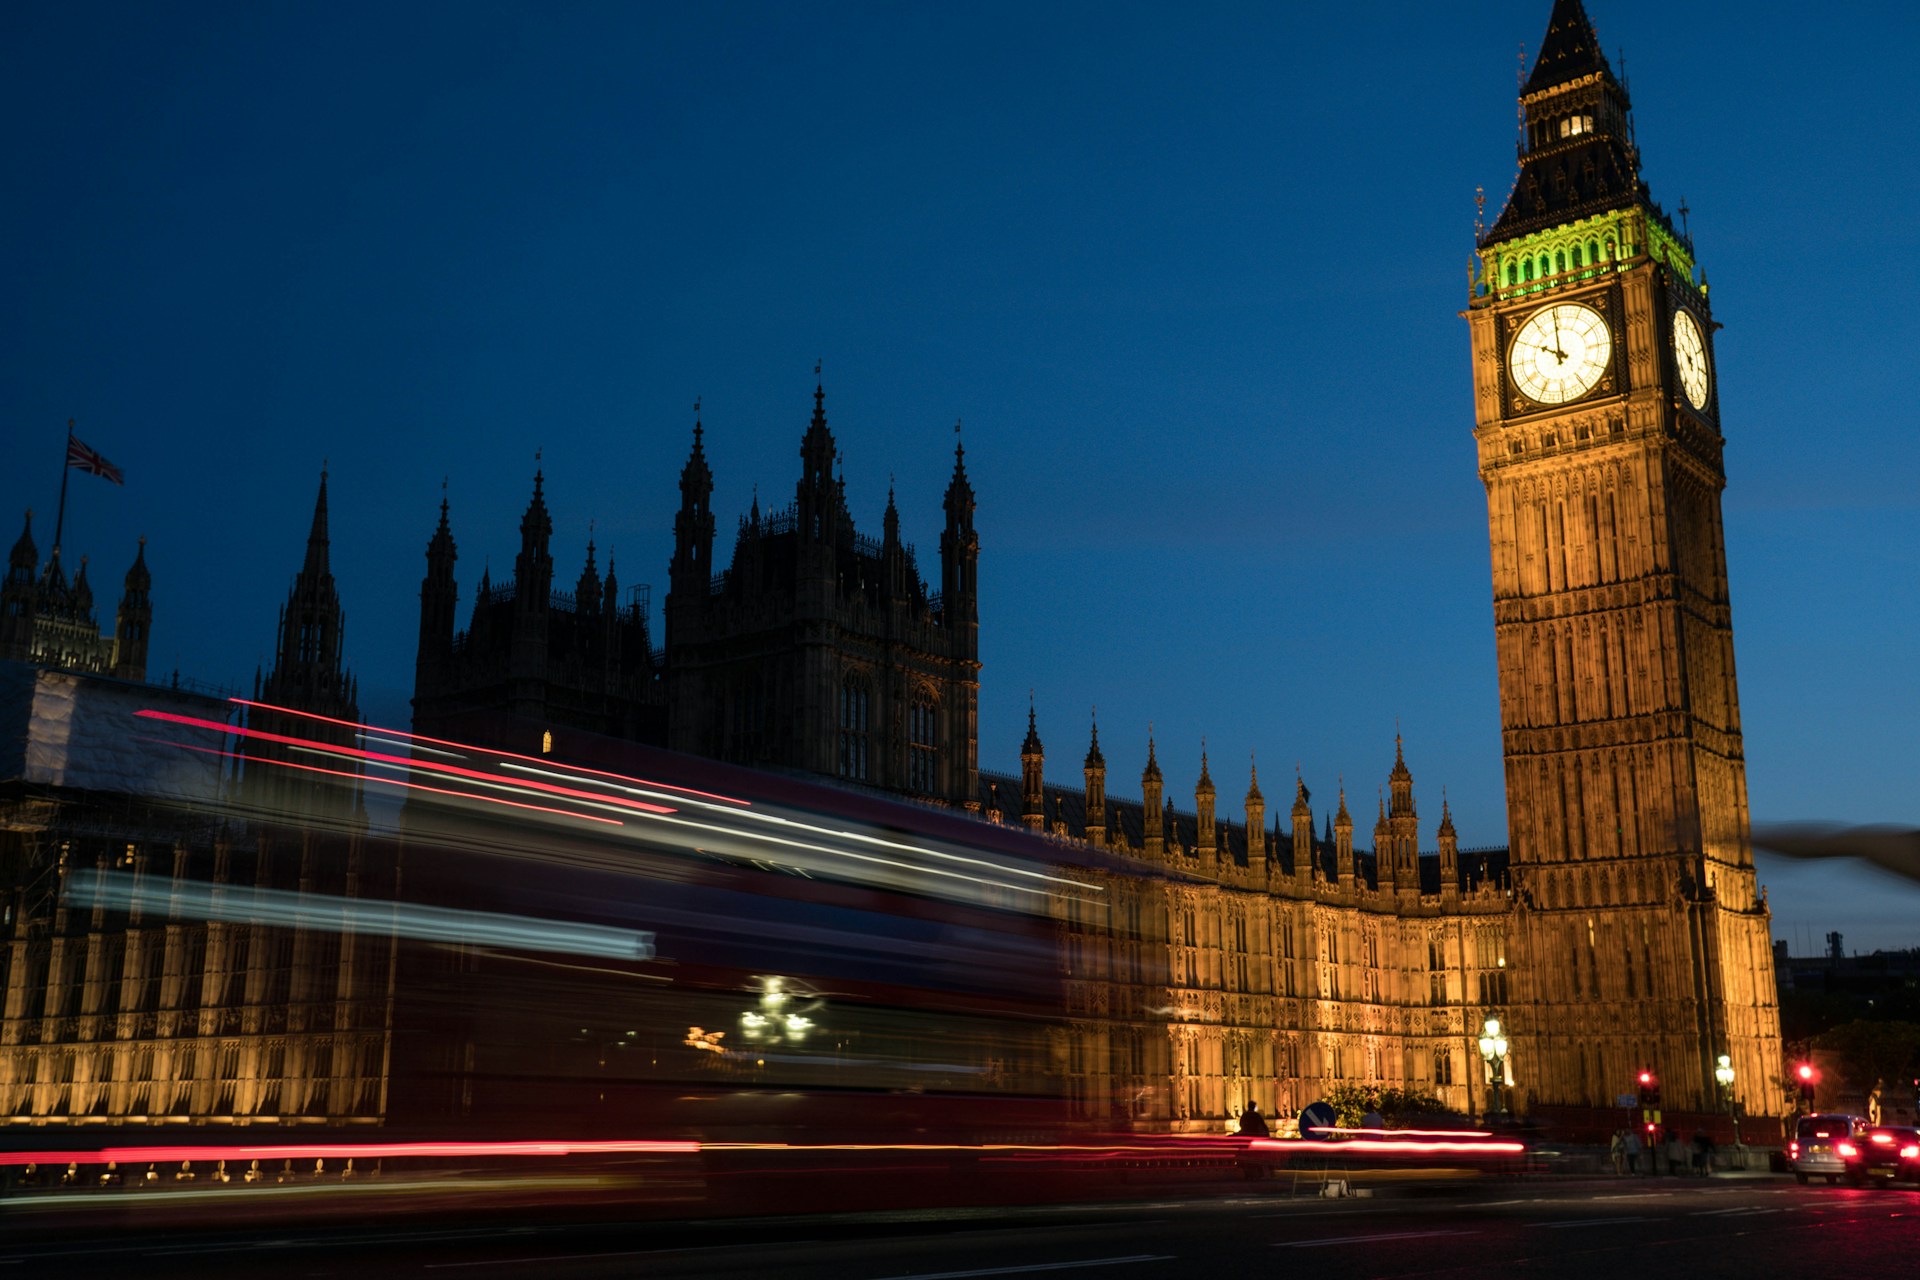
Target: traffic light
(1649, 1089)
(1808, 1076)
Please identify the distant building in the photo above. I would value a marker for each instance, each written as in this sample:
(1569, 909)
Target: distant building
(817, 650)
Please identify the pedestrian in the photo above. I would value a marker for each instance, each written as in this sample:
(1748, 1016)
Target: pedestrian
(1252, 1123)
(1633, 1151)
(1617, 1151)
(1702, 1152)
(1676, 1154)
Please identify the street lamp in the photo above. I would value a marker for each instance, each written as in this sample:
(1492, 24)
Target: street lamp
(1493, 1051)
(1723, 1072)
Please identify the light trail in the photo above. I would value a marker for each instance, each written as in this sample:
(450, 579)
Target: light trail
(472, 750)
(388, 782)
(650, 1146)
(430, 766)
(239, 904)
(348, 1151)
(841, 833)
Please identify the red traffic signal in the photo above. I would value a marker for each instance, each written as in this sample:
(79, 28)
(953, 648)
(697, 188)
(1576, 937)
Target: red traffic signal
(1646, 1078)
(1804, 1071)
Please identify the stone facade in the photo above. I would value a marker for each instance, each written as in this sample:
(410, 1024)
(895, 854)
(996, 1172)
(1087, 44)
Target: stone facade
(1242, 964)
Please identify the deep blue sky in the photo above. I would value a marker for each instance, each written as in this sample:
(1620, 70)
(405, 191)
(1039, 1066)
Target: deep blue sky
(1191, 279)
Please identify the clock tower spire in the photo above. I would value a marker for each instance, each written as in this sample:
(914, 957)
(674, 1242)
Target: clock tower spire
(1598, 432)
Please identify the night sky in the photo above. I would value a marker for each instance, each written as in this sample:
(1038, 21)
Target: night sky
(1191, 280)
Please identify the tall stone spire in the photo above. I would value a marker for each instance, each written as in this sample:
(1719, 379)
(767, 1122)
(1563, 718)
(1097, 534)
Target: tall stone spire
(1302, 815)
(317, 536)
(1256, 816)
(1203, 804)
(1032, 770)
(1449, 852)
(960, 549)
(693, 526)
(1095, 770)
(1152, 830)
(309, 675)
(439, 598)
(1343, 842)
(817, 499)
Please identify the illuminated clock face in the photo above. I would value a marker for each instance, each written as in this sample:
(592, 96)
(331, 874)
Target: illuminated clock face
(1560, 353)
(1690, 352)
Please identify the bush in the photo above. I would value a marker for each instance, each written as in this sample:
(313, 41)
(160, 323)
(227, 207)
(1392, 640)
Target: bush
(1351, 1102)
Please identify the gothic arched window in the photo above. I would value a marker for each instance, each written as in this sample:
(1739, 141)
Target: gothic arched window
(923, 756)
(856, 711)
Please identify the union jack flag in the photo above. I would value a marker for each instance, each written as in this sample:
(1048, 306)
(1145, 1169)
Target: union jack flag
(89, 460)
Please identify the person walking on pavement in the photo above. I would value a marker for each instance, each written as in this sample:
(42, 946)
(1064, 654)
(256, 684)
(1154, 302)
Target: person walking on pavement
(1617, 1151)
(1633, 1151)
(1702, 1153)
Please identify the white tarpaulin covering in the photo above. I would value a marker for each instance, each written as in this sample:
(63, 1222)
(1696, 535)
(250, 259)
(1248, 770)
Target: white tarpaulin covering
(64, 729)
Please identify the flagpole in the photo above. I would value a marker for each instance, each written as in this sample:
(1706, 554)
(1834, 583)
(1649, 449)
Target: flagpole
(60, 518)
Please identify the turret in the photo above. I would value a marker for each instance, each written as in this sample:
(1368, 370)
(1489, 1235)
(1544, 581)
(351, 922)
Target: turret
(1203, 797)
(1256, 818)
(439, 599)
(1383, 853)
(532, 606)
(1403, 825)
(1032, 788)
(1449, 853)
(586, 592)
(817, 500)
(960, 553)
(533, 567)
(1343, 843)
(1096, 774)
(1150, 793)
(19, 597)
(82, 598)
(308, 676)
(692, 568)
(133, 621)
(1302, 815)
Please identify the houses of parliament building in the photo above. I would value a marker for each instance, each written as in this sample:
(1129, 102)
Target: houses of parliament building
(1255, 956)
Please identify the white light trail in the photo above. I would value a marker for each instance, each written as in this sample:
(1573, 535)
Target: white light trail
(247, 904)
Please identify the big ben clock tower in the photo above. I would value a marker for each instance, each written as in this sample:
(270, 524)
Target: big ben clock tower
(1641, 938)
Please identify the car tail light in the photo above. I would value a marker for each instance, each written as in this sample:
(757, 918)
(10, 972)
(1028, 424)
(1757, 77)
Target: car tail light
(1846, 1149)
(1793, 1150)
(1883, 1139)
(1911, 1152)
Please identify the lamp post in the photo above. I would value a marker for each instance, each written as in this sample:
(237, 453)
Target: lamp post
(1723, 1072)
(1493, 1051)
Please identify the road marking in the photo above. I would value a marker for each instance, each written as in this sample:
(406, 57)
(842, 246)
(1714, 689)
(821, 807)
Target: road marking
(1367, 1239)
(555, 1257)
(1589, 1222)
(1036, 1266)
